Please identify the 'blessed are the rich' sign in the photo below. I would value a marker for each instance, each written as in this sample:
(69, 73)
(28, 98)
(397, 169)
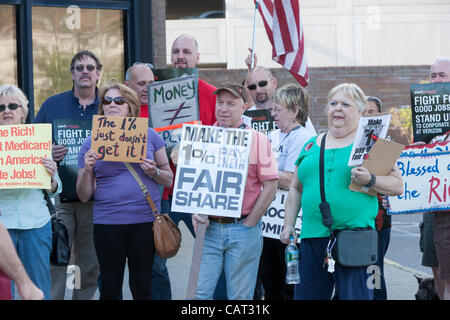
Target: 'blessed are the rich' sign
(425, 171)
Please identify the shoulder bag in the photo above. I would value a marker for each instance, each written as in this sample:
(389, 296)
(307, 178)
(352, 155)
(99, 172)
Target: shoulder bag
(355, 247)
(166, 234)
(60, 254)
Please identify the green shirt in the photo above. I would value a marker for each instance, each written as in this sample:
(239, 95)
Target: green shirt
(349, 209)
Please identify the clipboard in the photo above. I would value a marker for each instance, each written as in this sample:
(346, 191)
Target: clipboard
(380, 161)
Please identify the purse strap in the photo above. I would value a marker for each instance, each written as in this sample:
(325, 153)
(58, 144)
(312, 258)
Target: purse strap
(327, 219)
(144, 189)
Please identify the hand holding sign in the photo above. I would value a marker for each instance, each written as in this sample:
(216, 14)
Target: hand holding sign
(90, 158)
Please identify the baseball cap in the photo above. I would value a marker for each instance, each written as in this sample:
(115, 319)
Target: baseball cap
(234, 88)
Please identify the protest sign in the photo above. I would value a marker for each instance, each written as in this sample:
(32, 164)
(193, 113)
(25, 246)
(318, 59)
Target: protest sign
(21, 149)
(425, 171)
(430, 110)
(117, 138)
(173, 101)
(273, 219)
(211, 170)
(70, 133)
(260, 120)
(370, 128)
(172, 135)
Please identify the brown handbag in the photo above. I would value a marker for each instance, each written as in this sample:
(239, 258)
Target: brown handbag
(166, 234)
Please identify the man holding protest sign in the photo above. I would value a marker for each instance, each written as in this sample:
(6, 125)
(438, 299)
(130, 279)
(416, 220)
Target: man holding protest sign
(434, 245)
(235, 244)
(123, 219)
(80, 103)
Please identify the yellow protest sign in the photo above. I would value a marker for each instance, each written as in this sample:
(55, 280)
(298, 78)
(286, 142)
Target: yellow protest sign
(117, 138)
(21, 149)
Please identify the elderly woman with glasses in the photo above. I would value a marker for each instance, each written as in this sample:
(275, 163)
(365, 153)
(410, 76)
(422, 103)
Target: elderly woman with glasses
(24, 212)
(123, 219)
(349, 209)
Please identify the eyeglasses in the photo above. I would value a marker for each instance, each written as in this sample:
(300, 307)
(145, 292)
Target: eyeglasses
(117, 100)
(89, 67)
(260, 84)
(148, 65)
(11, 106)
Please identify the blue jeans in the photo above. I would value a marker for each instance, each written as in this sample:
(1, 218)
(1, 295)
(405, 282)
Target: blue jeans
(235, 249)
(316, 283)
(33, 247)
(384, 237)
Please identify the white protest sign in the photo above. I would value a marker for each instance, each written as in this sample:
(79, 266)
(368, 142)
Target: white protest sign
(272, 221)
(211, 170)
(426, 177)
(369, 129)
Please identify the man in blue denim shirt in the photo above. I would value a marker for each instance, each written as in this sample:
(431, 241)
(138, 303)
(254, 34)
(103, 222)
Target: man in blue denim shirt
(79, 103)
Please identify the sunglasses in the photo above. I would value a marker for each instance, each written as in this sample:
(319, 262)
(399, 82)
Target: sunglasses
(89, 67)
(117, 100)
(148, 65)
(11, 106)
(260, 84)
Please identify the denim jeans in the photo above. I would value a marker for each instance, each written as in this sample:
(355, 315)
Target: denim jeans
(236, 249)
(33, 247)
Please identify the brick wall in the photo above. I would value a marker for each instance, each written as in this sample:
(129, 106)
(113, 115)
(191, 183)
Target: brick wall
(159, 33)
(389, 83)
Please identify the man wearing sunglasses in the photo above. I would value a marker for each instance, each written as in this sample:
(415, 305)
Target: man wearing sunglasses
(81, 102)
(261, 85)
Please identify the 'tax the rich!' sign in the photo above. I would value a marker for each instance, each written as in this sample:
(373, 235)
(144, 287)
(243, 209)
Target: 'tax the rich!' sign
(211, 170)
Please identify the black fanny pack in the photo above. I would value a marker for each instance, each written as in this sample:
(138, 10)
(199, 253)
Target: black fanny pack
(352, 248)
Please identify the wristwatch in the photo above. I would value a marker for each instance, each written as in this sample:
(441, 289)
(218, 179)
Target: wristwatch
(372, 181)
(157, 172)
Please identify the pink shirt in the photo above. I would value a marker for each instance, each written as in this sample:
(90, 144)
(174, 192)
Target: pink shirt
(262, 167)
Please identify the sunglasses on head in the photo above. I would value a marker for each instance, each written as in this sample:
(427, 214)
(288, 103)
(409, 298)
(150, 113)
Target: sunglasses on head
(260, 84)
(148, 65)
(89, 67)
(117, 100)
(11, 106)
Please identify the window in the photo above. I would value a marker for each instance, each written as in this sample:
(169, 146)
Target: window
(8, 52)
(59, 33)
(199, 9)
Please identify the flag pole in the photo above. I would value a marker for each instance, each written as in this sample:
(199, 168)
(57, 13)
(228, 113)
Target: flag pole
(254, 34)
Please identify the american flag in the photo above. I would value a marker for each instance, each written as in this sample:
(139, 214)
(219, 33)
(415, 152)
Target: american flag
(284, 28)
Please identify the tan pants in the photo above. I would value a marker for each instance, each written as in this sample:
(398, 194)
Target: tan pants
(77, 217)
